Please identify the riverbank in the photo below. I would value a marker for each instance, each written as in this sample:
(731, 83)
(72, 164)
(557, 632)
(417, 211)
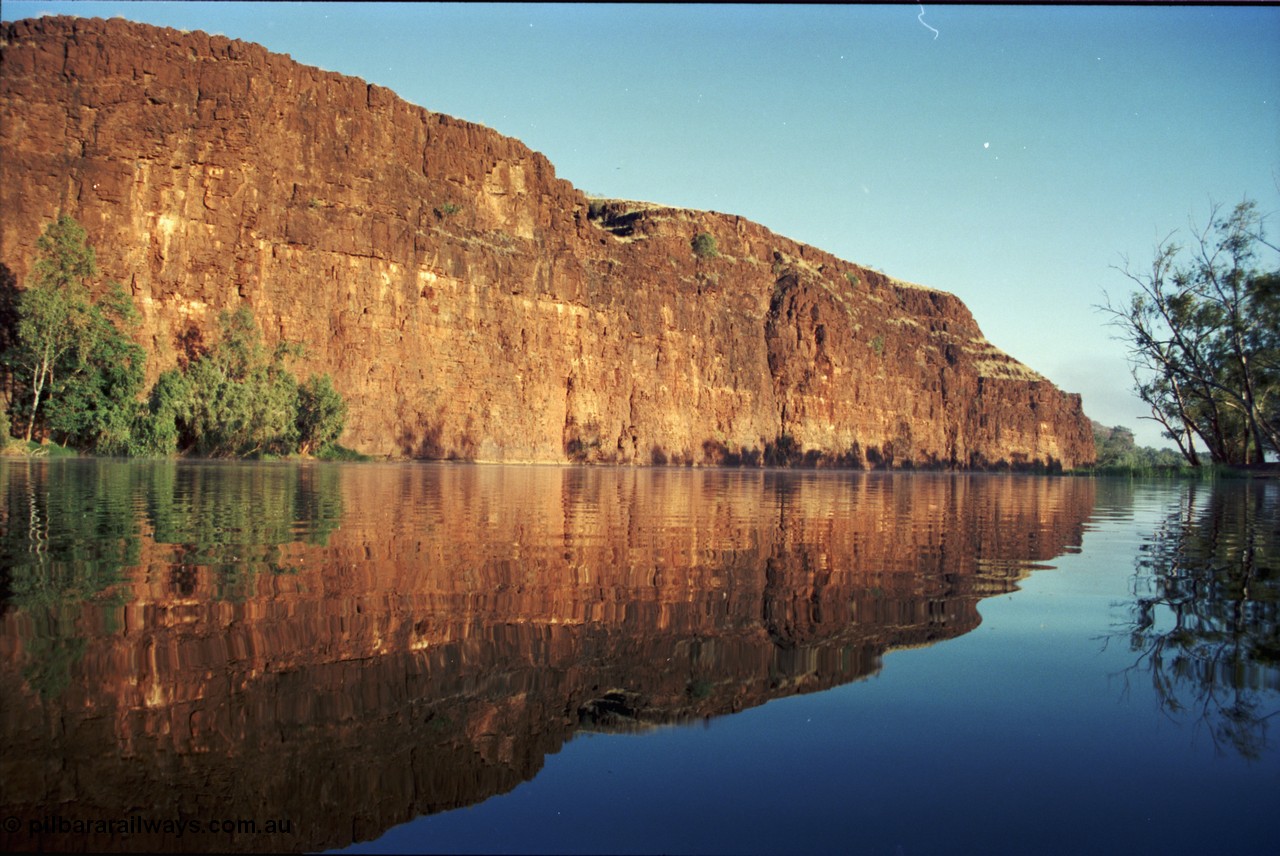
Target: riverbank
(1205, 472)
(13, 448)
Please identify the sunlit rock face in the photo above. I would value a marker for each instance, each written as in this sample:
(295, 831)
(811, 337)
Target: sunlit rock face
(348, 648)
(467, 302)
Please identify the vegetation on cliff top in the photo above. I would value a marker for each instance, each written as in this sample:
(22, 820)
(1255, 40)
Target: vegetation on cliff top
(75, 374)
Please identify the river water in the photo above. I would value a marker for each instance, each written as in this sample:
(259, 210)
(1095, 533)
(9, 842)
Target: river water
(203, 656)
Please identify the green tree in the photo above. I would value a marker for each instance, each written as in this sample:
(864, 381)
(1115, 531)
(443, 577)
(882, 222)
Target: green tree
(53, 313)
(156, 427)
(322, 413)
(76, 368)
(1204, 343)
(242, 399)
(1118, 451)
(704, 245)
(238, 398)
(97, 400)
(1115, 446)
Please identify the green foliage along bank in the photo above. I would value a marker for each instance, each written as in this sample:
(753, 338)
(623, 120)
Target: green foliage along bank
(239, 399)
(75, 371)
(76, 375)
(1118, 453)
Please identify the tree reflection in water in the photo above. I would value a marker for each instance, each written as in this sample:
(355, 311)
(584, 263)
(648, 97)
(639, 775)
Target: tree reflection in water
(71, 532)
(1204, 619)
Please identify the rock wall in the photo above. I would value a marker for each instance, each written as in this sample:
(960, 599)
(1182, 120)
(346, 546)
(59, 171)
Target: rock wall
(467, 302)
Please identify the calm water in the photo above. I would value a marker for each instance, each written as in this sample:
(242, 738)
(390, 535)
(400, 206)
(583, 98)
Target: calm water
(513, 659)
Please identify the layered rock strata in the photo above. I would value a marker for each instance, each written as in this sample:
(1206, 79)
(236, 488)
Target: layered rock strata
(468, 303)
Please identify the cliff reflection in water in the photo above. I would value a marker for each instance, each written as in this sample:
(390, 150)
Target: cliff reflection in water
(351, 647)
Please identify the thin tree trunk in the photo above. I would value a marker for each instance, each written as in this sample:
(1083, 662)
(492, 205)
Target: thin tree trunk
(37, 385)
(1189, 427)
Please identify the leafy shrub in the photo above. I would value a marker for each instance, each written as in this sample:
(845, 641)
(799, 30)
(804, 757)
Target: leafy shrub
(74, 365)
(242, 398)
(336, 452)
(877, 345)
(155, 430)
(321, 414)
(447, 209)
(704, 245)
(239, 399)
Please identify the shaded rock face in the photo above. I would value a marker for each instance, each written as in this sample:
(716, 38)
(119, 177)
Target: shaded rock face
(467, 302)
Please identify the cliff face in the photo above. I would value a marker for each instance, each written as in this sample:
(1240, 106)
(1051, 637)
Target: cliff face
(467, 302)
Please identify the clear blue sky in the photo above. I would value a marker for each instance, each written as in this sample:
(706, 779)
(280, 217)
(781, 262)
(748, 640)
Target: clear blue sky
(1011, 159)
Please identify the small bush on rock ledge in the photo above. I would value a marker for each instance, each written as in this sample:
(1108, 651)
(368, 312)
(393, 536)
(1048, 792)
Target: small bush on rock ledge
(704, 245)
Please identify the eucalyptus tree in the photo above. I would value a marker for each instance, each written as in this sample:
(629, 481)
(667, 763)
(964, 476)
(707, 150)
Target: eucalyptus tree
(53, 310)
(322, 413)
(243, 399)
(75, 365)
(97, 404)
(238, 399)
(1202, 327)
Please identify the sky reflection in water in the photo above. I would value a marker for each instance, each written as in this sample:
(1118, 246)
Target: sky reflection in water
(554, 652)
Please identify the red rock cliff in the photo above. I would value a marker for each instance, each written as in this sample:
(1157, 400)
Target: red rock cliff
(469, 303)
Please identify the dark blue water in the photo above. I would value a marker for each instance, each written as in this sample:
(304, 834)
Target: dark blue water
(536, 659)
